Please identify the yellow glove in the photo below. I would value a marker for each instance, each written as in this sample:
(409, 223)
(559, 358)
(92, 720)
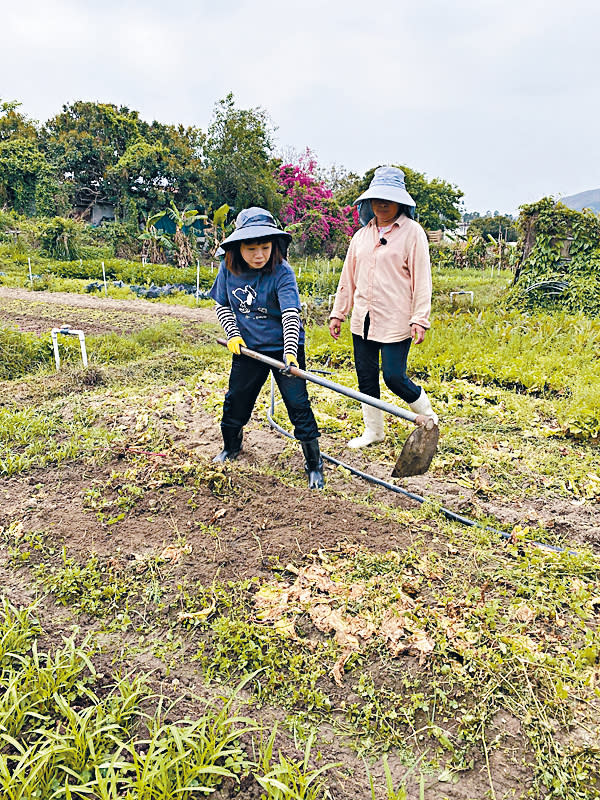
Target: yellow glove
(234, 344)
(290, 361)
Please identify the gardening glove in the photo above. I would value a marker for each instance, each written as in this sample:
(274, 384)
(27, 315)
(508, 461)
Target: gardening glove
(290, 361)
(234, 344)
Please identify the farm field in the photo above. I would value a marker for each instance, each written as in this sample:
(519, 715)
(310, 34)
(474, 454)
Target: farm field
(227, 631)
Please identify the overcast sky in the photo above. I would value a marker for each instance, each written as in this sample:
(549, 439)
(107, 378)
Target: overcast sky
(501, 98)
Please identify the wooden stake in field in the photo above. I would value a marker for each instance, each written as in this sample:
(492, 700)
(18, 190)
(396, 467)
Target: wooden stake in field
(197, 279)
(30, 275)
(104, 279)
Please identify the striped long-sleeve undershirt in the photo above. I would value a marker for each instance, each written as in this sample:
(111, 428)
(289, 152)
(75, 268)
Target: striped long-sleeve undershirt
(290, 319)
(227, 319)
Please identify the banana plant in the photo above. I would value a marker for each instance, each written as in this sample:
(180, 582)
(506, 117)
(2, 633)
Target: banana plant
(216, 231)
(155, 242)
(183, 243)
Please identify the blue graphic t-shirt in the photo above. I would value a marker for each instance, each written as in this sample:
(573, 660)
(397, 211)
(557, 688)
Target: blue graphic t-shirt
(257, 299)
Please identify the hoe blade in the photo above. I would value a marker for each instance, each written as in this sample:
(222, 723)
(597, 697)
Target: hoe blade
(418, 450)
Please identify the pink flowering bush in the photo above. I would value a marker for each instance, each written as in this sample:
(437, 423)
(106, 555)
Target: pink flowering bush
(309, 211)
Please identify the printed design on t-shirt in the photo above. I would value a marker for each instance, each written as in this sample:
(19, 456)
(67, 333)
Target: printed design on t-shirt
(245, 296)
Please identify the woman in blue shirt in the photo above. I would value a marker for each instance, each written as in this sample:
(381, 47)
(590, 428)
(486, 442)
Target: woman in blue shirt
(258, 305)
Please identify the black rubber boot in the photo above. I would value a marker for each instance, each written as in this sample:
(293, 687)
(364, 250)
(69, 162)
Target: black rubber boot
(313, 465)
(232, 440)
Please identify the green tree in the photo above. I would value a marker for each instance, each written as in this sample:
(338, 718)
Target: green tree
(437, 200)
(84, 140)
(144, 173)
(13, 124)
(53, 197)
(500, 224)
(152, 173)
(22, 162)
(238, 157)
(108, 154)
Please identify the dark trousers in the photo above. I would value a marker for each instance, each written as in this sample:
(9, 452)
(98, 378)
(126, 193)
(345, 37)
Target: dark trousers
(247, 378)
(393, 362)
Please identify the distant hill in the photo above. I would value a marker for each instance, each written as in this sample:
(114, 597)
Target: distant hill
(578, 202)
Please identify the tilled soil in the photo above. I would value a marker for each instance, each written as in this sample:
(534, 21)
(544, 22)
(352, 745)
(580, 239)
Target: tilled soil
(261, 524)
(107, 303)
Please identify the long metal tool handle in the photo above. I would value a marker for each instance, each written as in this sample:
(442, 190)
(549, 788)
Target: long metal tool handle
(336, 387)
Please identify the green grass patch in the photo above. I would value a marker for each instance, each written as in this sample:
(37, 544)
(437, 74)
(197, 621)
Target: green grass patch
(23, 353)
(546, 355)
(34, 438)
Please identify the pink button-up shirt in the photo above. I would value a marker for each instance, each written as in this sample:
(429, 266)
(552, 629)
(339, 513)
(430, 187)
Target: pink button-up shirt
(391, 282)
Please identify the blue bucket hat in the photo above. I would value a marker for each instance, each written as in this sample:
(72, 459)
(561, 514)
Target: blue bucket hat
(255, 223)
(387, 184)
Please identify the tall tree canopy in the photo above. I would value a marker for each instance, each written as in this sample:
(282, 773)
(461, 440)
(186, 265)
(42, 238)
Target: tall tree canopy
(14, 124)
(238, 150)
(108, 154)
(101, 153)
(84, 141)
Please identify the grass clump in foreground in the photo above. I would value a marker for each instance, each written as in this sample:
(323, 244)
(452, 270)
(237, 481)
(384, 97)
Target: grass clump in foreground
(68, 733)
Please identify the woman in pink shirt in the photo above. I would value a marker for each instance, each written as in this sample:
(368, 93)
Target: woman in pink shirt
(386, 282)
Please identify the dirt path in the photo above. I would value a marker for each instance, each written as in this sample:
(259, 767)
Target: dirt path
(108, 304)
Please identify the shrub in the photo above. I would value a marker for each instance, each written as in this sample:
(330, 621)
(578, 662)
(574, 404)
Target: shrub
(62, 238)
(559, 252)
(309, 211)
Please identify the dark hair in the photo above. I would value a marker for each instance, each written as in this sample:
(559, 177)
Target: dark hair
(408, 211)
(236, 264)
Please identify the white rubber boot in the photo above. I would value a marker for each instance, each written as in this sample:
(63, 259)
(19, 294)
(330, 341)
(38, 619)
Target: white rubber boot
(373, 432)
(422, 407)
